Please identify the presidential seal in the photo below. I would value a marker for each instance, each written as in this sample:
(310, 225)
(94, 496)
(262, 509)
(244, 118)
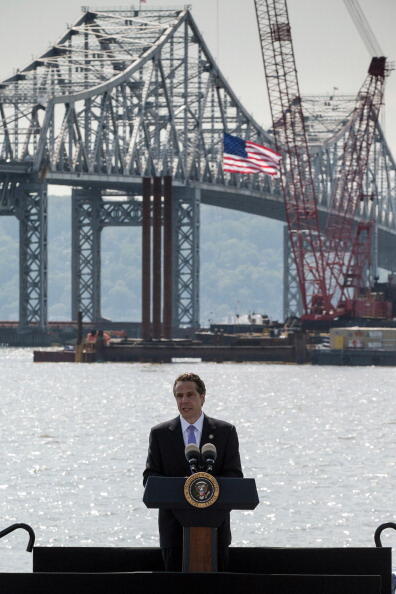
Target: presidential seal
(201, 489)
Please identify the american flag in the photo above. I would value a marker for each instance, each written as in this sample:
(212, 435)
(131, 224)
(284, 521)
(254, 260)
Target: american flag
(244, 156)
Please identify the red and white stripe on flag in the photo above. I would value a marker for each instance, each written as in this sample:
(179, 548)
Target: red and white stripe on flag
(245, 156)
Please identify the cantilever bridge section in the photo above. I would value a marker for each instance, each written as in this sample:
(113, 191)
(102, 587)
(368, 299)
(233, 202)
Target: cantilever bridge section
(126, 95)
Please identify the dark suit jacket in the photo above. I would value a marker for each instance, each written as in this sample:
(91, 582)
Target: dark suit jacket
(166, 458)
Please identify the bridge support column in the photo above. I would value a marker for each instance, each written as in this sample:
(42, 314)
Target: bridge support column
(146, 258)
(292, 306)
(31, 210)
(186, 262)
(157, 258)
(169, 251)
(86, 235)
(374, 255)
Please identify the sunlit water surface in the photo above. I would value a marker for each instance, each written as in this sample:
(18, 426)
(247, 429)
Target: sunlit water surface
(320, 442)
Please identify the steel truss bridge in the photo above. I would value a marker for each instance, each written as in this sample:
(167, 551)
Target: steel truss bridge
(126, 95)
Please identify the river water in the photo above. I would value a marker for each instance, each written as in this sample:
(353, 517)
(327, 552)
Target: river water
(320, 442)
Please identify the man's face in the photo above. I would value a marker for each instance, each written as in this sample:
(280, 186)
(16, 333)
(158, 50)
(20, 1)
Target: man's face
(189, 401)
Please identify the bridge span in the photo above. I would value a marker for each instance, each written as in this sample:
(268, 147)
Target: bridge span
(127, 95)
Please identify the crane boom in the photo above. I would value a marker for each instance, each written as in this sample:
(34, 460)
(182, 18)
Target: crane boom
(346, 254)
(363, 27)
(291, 140)
(330, 259)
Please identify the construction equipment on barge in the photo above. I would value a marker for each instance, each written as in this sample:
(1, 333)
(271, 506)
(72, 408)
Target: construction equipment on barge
(332, 257)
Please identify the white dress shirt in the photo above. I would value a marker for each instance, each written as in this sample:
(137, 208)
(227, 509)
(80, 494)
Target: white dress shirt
(198, 429)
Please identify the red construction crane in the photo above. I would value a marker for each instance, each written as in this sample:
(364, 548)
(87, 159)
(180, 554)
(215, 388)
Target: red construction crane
(348, 241)
(291, 139)
(331, 257)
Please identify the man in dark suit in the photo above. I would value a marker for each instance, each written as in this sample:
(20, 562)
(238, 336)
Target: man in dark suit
(166, 458)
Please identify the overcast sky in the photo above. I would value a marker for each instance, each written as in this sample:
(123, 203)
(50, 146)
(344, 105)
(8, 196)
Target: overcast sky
(329, 51)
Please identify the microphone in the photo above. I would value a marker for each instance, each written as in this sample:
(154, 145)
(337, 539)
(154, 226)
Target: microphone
(193, 456)
(209, 455)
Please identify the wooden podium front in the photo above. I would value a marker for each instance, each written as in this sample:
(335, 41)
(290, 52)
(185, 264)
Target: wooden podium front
(200, 524)
(199, 549)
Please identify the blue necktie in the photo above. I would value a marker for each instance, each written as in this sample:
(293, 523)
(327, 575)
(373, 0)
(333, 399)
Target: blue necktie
(191, 434)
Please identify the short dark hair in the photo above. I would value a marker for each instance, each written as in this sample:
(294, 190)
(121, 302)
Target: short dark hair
(188, 376)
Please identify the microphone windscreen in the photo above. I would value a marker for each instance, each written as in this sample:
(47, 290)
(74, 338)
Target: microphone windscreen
(191, 451)
(209, 451)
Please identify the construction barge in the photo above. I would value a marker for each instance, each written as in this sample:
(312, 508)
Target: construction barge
(351, 346)
(358, 346)
(205, 347)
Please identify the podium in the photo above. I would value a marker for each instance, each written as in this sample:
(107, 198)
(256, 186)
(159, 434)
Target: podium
(199, 516)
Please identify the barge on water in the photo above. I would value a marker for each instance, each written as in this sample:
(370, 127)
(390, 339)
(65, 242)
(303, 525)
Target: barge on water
(358, 346)
(208, 348)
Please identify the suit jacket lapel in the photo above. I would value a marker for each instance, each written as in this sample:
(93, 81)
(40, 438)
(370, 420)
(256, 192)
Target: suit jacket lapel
(176, 441)
(208, 431)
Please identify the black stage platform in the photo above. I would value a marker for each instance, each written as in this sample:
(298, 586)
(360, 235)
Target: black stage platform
(175, 583)
(266, 570)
